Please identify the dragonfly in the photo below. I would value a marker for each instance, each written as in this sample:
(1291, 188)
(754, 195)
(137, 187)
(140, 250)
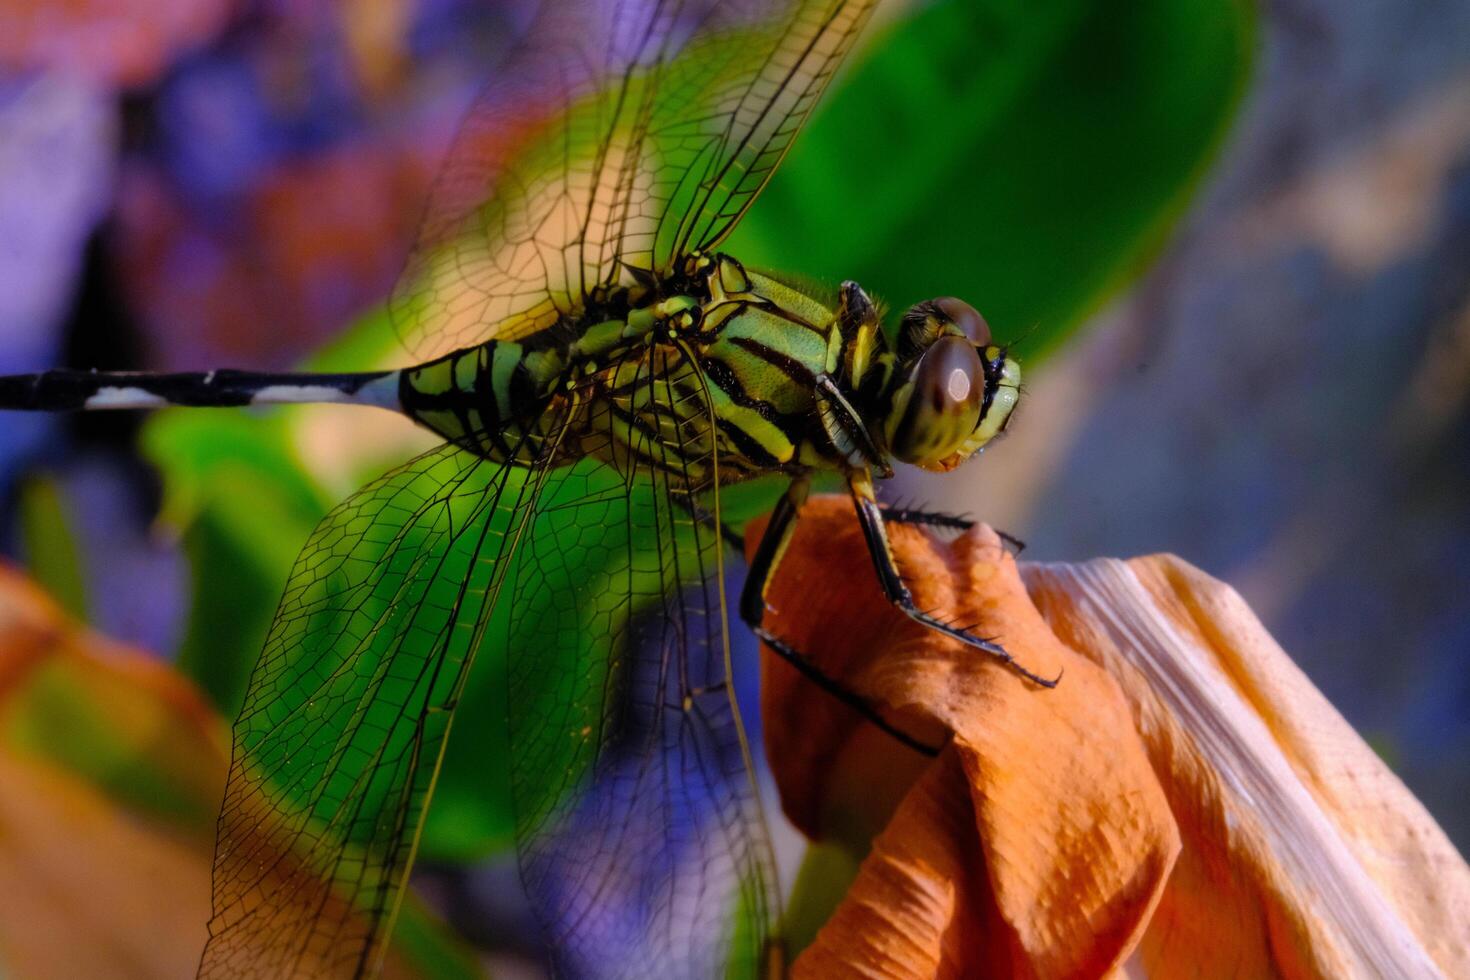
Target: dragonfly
(598, 371)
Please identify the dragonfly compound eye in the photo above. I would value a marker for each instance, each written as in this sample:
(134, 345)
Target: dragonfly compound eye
(966, 318)
(938, 409)
(945, 316)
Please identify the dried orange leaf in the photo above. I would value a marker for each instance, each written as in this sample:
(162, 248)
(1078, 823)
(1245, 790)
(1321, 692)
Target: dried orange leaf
(88, 891)
(919, 905)
(1043, 840)
(1049, 802)
(111, 772)
(108, 762)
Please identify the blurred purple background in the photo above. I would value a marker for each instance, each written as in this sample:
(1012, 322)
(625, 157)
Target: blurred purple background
(199, 184)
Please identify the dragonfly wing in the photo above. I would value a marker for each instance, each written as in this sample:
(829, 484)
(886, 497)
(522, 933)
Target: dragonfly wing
(641, 840)
(619, 135)
(339, 740)
(732, 115)
(640, 837)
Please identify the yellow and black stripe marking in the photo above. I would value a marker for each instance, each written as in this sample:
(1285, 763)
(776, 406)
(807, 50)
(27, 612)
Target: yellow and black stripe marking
(754, 351)
(486, 399)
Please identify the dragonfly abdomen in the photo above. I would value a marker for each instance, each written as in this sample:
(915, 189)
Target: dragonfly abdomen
(65, 390)
(486, 399)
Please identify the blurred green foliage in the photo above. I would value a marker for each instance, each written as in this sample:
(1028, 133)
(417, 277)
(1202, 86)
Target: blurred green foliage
(50, 546)
(245, 505)
(1028, 157)
(87, 727)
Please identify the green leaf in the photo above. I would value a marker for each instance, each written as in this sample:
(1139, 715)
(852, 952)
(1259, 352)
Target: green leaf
(827, 869)
(87, 718)
(50, 547)
(1027, 157)
(431, 948)
(244, 506)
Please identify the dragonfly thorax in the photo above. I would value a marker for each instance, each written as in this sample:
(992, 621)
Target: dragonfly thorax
(728, 362)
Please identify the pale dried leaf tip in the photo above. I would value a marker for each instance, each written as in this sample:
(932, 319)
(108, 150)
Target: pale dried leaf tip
(1302, 849)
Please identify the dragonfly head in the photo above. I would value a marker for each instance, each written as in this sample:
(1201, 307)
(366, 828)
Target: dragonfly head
(955, 389)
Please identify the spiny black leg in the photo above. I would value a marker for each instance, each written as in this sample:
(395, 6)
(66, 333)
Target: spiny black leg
(870, 517)
(1016, 543)
(934, 518)
(926, 518)
(859, 704)
(769, 551)
(768, 555)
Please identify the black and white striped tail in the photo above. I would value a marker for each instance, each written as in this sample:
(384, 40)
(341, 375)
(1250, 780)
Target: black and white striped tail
(68, 391)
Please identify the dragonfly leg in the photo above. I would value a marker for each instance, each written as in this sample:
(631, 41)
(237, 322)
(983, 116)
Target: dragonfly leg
(950, 522)
(770, 550)
(763, 565)
(1017, 545)
(853, 700)
(925, 518)
(870, 516)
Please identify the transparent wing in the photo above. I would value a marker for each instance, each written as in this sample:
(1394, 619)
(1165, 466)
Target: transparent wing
(339, 740)
(641, 841)
(622, 134)
(640, 837)
(723, 130)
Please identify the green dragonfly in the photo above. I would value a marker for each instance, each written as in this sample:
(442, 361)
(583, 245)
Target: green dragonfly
(598, 370)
